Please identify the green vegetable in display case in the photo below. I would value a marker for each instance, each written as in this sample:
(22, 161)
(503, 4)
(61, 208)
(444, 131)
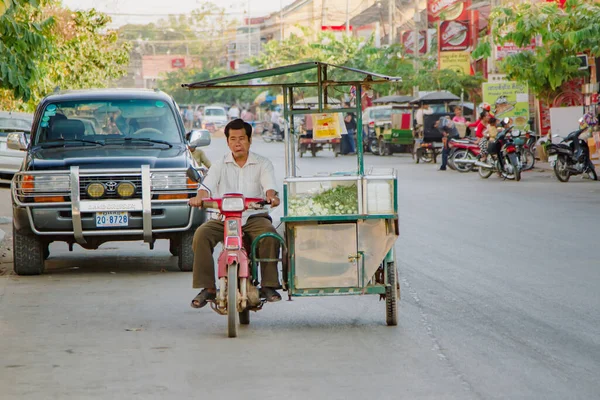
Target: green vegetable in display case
(340, 200)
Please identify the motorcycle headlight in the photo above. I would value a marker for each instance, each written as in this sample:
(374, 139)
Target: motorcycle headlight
(233, 204)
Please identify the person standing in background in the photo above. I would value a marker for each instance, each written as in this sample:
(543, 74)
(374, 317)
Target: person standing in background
(233, 113)
(350, 122)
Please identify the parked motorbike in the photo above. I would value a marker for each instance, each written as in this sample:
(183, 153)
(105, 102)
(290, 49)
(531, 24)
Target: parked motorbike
(507, 162)
(463, 154)
(526, 147)
(270, 134)
(571, 156)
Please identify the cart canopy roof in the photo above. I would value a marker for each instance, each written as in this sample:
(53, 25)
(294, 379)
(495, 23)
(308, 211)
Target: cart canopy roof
(436, 97)
(289, 69)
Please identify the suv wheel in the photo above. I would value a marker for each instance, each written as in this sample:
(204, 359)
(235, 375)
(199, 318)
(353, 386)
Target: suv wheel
(29, 252)
(185, 251)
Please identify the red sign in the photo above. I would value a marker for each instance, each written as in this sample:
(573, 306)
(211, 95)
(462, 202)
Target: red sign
(335, 28)
(178, 63)
(448, 10)
(408, 41)
(454, 35)
(509, 48)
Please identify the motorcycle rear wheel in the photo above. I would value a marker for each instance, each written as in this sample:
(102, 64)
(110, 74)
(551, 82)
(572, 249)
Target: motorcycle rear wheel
(528, 160)
(266, 136)
(232, 289)
(561, 169)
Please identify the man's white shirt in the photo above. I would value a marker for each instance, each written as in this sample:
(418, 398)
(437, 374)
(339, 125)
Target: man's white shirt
(252, 180)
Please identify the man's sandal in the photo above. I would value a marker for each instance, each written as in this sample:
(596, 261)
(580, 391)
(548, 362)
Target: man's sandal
(203, 298)
(270, 294)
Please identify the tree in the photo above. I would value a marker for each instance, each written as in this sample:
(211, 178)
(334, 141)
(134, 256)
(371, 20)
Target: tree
(171, 84)
(23, 46)
(362, 54)
(561, 34)
(68, 49)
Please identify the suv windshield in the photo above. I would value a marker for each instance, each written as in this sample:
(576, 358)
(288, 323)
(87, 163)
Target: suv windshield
(101, 120)
(214, 112)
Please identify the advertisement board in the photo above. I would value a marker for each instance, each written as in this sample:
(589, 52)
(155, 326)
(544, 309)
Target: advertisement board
(328, 126)
(508, 99)
(408, 41)
(448, 10)
(459, 61)
(454, 35)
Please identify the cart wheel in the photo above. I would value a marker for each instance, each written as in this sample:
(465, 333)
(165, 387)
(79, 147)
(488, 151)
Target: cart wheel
(301, 153)
(245, 317)
(392, 294)
(313, 151)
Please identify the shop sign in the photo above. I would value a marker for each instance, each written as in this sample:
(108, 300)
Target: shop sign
(178, 63)
(459, 61)
(508, 99)
(509, 48)
(327, 126)
(448, 10)
(408, 40)
(454, 35)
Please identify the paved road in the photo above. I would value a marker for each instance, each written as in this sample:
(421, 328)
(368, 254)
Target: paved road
(500, 300)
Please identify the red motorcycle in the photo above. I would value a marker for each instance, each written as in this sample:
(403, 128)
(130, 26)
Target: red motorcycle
(463, 154)
(238, 293)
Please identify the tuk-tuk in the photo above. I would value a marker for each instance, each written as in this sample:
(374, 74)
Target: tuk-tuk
(428, 139)
(394, 134)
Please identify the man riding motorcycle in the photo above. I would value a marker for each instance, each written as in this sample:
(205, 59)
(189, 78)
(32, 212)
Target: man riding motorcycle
(239, 171)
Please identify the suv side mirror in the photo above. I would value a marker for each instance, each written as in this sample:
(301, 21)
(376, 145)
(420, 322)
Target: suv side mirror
(193, 174)
(17, 141)
(199, 138)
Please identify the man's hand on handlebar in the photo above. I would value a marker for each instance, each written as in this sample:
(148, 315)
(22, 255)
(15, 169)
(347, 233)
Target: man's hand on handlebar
(272, 198)
(198, 199)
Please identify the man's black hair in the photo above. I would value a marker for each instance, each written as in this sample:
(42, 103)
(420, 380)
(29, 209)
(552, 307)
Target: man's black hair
(238, 123)
(483, 114)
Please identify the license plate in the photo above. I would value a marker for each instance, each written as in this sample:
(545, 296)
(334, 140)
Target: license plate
(552, 158)
(111, 219)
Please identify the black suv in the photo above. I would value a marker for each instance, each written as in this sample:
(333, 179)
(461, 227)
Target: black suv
(104, 165)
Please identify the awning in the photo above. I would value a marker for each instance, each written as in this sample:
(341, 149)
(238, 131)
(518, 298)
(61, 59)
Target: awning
(432, 97)
(288, 69)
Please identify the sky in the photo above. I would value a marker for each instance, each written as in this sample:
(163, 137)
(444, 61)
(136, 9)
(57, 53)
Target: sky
(145, 11)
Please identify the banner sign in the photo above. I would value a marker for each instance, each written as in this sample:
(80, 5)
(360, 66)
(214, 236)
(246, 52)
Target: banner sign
(508, 99)
(459, 61)
(327, 126)
(408, 40)
(448, 10)
(454, 35)
(509, 48)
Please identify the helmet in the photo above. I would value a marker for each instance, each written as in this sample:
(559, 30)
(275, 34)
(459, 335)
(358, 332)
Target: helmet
(485, 106)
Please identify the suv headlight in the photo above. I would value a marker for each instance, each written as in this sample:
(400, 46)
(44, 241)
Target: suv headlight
(52, 183)
(168, 182)
(233, 204)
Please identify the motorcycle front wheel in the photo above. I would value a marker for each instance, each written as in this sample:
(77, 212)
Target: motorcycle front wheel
(266, 136)
(232, 289)
(462, 154)
(528, 159)
(485, 172)
(561, 169)
(592, 171)
(515, 165)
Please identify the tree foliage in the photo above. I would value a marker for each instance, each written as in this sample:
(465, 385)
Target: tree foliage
(561, 34)
(24, 44)
(171, 84)
(362, 54)
(201, 34)
(68, 49)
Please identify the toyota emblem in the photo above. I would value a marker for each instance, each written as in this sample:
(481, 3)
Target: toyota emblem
(111, 186)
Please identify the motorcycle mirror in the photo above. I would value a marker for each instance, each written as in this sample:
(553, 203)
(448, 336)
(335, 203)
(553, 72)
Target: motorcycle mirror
(193, 174)
(506, 121)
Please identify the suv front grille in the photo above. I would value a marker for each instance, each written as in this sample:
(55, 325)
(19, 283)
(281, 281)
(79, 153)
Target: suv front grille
(110, 184)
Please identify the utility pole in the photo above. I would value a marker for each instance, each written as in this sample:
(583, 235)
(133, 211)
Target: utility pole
(417, 20)
(348, 17)
(392, 5)
(280, 20)
(323, 10)
(249, 34)
(491, 69)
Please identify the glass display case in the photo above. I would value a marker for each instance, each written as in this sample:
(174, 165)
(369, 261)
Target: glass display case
(334, 195)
